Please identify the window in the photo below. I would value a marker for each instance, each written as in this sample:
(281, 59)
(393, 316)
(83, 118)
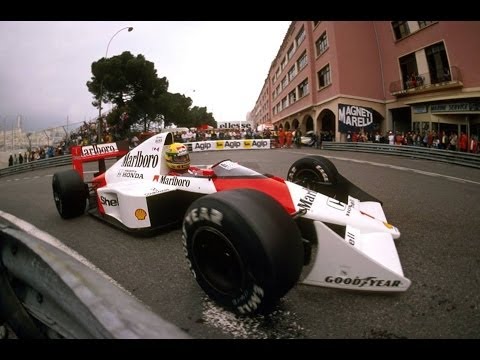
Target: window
(315, 23)
(278, 90)
(284, 62)
(284, 82)
(324, 77)
(284, 102)
(401, 29)
(300, 36)
(408, 67)
(422, 24)
(291, 73)
(302, 61)
(438, 63)
(303, 88)
(321, 44)
(290, 52)
(292, 97)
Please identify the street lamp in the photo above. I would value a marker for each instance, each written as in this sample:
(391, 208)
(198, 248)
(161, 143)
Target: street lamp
(99, 127)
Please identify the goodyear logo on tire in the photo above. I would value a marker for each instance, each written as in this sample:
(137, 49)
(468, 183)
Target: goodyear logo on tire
(219, 145)
(140, 214)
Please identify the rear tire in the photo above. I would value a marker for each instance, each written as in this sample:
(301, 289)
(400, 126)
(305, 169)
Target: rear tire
(243, 248)
(69, 193)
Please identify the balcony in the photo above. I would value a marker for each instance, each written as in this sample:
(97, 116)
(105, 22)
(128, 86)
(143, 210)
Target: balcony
(427, 82)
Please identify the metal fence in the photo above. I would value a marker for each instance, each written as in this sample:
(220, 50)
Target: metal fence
(18, 139)
(418, 152)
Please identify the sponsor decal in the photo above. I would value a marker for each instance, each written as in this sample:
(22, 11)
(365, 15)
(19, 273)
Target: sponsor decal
(154, 191)
(132, 174)
(174, 180)
(260, 143)
(155, 149)
(156, 177)
(349, 209)
(140, 214)
(219, 145)
(140, 160)
(109, 202)
(228, 165)
(232, 144)
(202, 146)
(159, 139)
(202, 214)
(350, 237)
(334, 203)
(368, 281)
(247, 144)
(99, 149)
(307, 200)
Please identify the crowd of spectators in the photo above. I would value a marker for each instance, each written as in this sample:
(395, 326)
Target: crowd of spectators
(86, 134)
(447, 140)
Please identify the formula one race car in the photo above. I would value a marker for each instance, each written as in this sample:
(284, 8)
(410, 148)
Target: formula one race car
(247, 236)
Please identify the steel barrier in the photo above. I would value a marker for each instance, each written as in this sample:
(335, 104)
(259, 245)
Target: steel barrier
(418, 152)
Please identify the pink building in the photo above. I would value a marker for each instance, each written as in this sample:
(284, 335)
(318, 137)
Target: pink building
(340, 76)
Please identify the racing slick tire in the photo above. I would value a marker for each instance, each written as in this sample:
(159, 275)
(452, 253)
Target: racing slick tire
(69, 193)
(313, 172)
(244, 250)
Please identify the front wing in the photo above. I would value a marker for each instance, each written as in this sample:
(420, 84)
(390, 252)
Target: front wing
(357, 262)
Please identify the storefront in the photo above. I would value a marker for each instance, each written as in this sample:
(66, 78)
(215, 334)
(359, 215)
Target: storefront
(449, 116)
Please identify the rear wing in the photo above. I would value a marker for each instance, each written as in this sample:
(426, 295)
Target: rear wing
(98, 152)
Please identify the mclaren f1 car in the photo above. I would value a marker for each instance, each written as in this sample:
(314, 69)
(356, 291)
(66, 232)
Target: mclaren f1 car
(248, 237)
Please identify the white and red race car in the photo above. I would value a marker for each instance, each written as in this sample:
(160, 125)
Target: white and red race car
(248, 237)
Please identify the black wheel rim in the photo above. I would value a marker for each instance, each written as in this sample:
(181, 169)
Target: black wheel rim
(308, 179)
(218, 262)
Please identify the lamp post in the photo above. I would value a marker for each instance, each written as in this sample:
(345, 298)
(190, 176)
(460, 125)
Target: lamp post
(99, 127)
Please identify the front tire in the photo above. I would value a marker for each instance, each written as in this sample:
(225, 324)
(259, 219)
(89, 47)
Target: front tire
(313, 172)
(243, 248)
(69, 193)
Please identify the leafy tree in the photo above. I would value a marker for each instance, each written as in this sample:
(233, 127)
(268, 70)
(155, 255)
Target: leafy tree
(133, 86)
(200, 116)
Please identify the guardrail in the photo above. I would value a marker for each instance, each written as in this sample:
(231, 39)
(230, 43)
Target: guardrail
(418, 152)
(49, 291)
(37, 164)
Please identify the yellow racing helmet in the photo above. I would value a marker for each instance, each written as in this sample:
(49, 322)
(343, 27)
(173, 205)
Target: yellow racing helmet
(177, 157)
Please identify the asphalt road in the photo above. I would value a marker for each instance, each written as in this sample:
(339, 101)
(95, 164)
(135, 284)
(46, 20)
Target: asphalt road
(436, 206)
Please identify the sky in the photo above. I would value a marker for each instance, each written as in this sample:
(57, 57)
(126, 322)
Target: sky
(45, 65)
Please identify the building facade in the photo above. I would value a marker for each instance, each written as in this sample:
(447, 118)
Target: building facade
(374, 76)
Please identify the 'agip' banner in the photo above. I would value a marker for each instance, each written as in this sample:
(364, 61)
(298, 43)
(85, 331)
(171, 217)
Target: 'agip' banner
(353, 118)
(250, 144)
